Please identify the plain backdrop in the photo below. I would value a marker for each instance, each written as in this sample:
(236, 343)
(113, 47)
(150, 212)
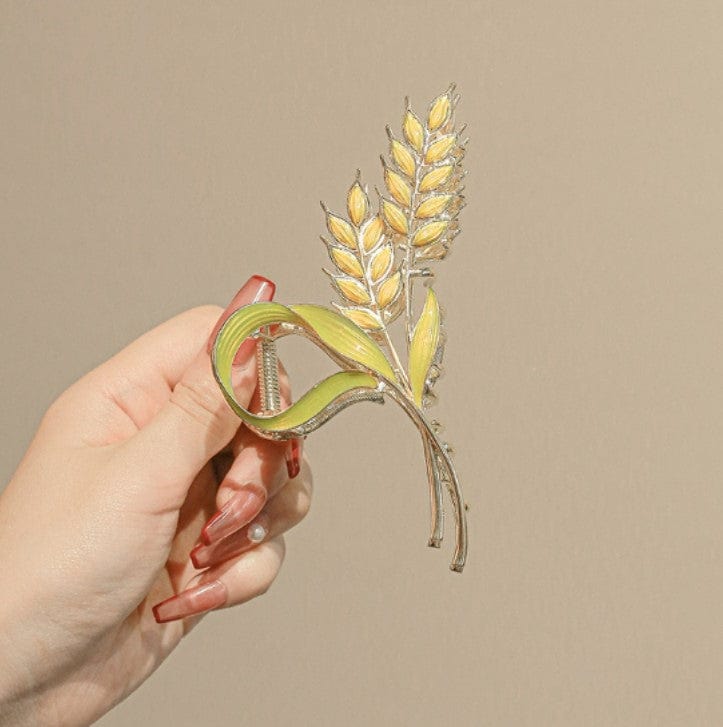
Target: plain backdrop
(153, 155)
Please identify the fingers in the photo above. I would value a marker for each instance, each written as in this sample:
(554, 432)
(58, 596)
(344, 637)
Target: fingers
(281, 513)
(196, 422)
(257, 473)
(245, 564)
(229, 584)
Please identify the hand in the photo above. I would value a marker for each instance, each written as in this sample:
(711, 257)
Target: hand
(97, 523)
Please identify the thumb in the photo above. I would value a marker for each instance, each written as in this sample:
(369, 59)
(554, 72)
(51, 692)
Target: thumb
(196, 422)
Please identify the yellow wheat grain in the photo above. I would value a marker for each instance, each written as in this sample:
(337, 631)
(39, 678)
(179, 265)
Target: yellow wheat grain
(439, 111)
(436, 178)
(371, 233)
(394, 216)
(389, 290)
(364, 318)
(357, 204)
(341, 230)
(347, 262)
(380, 263)
(432, 206)
(353, 291)
(413, 131)
(402, 158)
(397, 187)
(431, 232)
(440, 148)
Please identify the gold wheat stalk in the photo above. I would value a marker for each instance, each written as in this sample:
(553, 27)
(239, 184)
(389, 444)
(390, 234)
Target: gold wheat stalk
(379, 252)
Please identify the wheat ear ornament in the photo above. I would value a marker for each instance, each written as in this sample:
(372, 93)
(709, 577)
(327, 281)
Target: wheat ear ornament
(379, 251)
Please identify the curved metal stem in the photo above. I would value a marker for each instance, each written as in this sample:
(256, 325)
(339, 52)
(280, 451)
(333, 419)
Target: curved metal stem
(443, 459)
(435, 496)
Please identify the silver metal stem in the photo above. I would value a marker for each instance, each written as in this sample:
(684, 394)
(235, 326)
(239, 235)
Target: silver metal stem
(435, 496)
(445, 469)
(268, 371)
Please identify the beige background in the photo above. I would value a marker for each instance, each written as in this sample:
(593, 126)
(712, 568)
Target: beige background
(153, 155)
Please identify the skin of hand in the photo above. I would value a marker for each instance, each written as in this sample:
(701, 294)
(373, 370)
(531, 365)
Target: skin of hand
(116, 488)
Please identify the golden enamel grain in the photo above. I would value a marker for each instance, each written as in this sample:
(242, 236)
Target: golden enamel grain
(357, 204)
(372, 232)
(439, 149)
(353, 291)
(402, 158)
(397, 187)
(380, 262)
(430, 232)
(433, 206)
(439, 111)
(341, 230)
(363, 318)
(436, 178)
(389, 290)
(413, 131)
(346, 262)
(394, 217)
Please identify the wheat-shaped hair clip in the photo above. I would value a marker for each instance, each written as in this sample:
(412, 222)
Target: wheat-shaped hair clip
(378, 252)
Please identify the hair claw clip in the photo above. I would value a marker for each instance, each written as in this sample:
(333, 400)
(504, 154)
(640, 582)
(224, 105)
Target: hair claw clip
(378, 254)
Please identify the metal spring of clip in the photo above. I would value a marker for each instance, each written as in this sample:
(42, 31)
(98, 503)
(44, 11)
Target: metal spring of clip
(268, 372)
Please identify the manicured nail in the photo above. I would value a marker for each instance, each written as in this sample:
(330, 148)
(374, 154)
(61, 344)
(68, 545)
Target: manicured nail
(191, 602)
(254, 290)
(243, 506)
(203, 556)
(293, 458)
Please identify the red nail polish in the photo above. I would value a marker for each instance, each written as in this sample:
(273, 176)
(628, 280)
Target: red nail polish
(191, 602)
(240, 509)
(256, 289)
(203, 556)
(293, 458)
(196, 555)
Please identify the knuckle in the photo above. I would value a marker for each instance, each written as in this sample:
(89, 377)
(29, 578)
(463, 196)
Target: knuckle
(278, 552)
(202, 401)
(208, 313)
(306, 480)
(303, 504)
(199, 321)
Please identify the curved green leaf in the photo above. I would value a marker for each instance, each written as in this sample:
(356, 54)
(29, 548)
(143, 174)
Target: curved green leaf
(324, 399)
(425, 341)
(346, 338)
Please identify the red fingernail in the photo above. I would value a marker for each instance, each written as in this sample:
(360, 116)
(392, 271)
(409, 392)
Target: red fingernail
(293, 458)
(254, 290)
(191, 602)
(197, 556)
(203, 556)
(243, 506)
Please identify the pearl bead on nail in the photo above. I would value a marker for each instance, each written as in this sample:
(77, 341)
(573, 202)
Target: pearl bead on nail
(256, 532)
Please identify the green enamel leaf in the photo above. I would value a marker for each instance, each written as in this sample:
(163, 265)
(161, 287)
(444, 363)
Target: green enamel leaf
(314, 403)
(425, 341)
(346, 338)
(329, 395)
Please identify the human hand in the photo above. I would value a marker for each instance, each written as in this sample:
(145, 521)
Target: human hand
(97, 523)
